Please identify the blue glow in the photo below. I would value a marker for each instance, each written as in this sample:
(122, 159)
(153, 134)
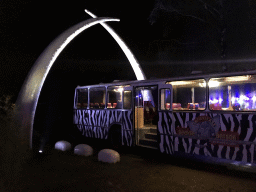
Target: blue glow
(245, 101)
(242, 95)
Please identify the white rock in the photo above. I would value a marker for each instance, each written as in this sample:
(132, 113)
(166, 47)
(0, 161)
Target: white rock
(108, 156)
(63, 146)
(83, 149)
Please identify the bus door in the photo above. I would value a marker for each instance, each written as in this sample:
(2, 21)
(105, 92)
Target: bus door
(146, 115)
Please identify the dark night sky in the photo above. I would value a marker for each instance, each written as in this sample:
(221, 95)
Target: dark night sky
(27, 27)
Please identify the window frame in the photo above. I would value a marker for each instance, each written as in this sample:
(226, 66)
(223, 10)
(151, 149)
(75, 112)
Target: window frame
(229, 110)
(188, 110)
(77, 98)
(161, 101)
(131, 99)
(107, 96)
(104, 99)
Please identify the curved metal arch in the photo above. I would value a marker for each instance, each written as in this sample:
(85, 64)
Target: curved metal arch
(130, 56)
(29, 94)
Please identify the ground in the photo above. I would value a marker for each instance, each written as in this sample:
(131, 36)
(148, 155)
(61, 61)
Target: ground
(139, 170)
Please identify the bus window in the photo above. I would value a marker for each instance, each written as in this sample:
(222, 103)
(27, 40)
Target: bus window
(165, 99)
(237, 93)
(115, 97)
(82, 98)
(189, 94)
(127, 99)
(97, 97)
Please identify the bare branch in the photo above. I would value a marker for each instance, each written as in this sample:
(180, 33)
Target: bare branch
(211, 9)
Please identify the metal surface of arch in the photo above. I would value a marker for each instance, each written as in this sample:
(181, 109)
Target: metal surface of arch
(130, 56)
(29, 94)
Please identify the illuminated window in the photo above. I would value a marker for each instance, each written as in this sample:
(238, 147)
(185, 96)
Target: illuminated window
(127, 99)
(237, 93)
(82, 98)
(189, 94)
(115, 97)
(97, 97)
(165, 99)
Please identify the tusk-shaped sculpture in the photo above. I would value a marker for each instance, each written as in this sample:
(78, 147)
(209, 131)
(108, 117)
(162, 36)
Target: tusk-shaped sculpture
(29, 94)
(133, 61)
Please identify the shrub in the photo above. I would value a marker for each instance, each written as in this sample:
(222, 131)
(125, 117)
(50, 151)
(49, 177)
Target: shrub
(6, 107)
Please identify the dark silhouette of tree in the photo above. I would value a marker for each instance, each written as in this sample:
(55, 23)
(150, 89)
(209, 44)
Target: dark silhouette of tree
(210, 12)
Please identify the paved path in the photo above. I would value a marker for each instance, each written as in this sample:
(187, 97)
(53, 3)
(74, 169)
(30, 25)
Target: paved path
(136, 172)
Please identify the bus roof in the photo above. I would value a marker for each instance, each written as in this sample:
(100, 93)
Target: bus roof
(141, 82)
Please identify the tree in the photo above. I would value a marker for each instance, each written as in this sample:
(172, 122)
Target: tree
(212, 13)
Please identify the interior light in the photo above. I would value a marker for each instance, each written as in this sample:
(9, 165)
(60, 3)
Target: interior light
(146, 95)
(214, 101)
(238, 78)
(120, 89)
(243, 97)
(180, 83)
(202, 84)
(214, 83)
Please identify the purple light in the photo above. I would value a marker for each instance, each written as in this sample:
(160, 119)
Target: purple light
(245, 101)
(254, 98)
(214, 101)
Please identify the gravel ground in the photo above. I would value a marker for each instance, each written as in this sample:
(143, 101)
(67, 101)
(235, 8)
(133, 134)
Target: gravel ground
(139, 170)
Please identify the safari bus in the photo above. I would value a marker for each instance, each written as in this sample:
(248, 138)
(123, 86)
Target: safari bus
(209, 117)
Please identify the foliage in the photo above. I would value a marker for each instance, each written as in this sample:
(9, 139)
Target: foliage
(6, 107)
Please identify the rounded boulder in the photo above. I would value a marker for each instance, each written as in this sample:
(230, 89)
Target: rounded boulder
(108, 156)
(62, 146)
(83, 149)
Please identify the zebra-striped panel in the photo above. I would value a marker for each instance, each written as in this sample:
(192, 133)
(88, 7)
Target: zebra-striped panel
(127, 122)
(94, 132)
(127, 138)
(127, 128)
(95, 123)
(244, 152)
(91, 117)
(244, 125)
(165, 137)
(166, 144)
